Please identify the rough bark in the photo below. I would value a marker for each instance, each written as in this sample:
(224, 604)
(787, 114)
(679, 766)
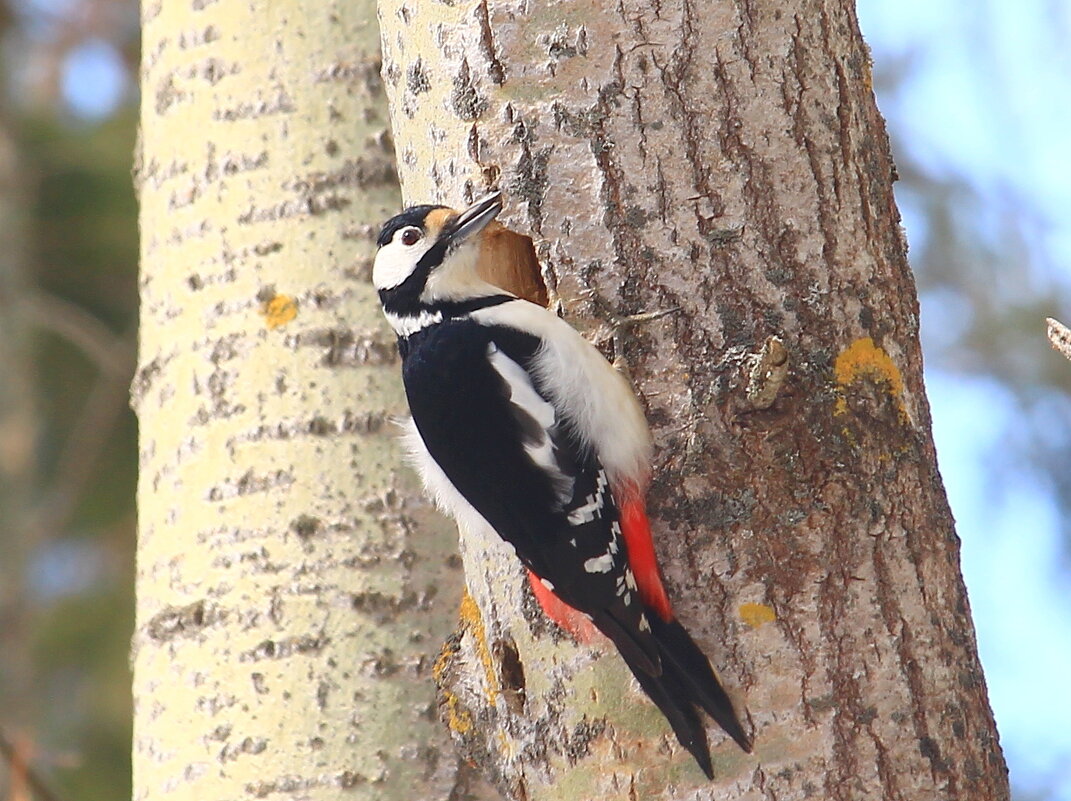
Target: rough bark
(726, 162)
(292, 589)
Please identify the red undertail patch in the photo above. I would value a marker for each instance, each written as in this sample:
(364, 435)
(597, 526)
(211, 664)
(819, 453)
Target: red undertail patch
(561, 613)
(641, 556)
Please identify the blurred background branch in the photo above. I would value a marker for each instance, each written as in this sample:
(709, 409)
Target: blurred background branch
(975, 97)
(25, 783)
(111, 354)
(1059, 335)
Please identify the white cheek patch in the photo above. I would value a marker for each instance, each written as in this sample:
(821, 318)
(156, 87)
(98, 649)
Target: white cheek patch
(395, 262)
(455, 278)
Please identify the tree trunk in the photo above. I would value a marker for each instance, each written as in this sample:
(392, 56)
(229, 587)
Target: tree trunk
(291, 584)
(724, 163)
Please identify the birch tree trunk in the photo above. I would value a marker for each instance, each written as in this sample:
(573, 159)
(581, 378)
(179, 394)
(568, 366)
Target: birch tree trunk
(291, 585)
(724, 162)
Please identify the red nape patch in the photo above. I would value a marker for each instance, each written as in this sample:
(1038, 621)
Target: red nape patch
(641, 556)
(561, 613)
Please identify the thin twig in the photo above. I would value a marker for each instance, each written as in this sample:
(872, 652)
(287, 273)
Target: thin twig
(13, 755)
(1059, 336)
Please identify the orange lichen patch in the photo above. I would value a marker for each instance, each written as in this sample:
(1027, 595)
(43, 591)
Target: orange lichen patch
(865, 360)
(279, 311)
(755, 615)
(459, 720)
(448, 652)
(472, 621)
(457, 717)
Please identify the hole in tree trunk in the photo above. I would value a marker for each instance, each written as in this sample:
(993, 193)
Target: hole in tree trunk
(511, 674)
(508, 260)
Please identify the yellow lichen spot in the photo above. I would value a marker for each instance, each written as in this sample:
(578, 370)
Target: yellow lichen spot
(755, 615)
(458, 719)
(445, 655)
(279, 311)
(473, 622)
(505, 746)
(864, 359)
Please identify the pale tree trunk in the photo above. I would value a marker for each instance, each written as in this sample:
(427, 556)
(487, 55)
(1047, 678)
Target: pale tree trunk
(724, 162)
(292, 588)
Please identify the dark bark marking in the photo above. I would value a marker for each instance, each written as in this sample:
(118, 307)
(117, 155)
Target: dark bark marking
(385, 608)
(286, 647)
(177, 622)
(346, 348)
(464, 99)
(619, 215)
(144, 378)
(416, 77)
(306, 526)
(826, 215)
(745, 31)
(167, 94)
(278, 103)
(495, 69)
(529, 180)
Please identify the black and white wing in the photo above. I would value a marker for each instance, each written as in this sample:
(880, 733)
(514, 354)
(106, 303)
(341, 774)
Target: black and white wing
(509, 449)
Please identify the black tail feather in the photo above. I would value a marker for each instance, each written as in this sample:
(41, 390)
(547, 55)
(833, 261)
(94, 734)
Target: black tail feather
(670, 696)
(641, 652)
(685, 682)
(679, 650)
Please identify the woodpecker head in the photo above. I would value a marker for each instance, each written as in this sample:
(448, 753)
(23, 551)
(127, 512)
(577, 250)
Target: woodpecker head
(429, 253)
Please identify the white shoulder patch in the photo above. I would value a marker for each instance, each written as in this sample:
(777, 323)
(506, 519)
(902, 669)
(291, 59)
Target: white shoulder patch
(523, 394)
(589, 395)
(521, 390)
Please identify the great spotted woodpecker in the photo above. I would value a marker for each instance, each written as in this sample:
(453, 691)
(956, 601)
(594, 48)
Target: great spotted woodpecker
(519, 423)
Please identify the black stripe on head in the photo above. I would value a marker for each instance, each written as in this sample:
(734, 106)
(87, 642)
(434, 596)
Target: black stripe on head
(414, 215)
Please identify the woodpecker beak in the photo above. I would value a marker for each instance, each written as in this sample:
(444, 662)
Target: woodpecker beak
(474, 219)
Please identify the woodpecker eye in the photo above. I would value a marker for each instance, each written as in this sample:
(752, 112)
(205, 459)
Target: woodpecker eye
(410, 236)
